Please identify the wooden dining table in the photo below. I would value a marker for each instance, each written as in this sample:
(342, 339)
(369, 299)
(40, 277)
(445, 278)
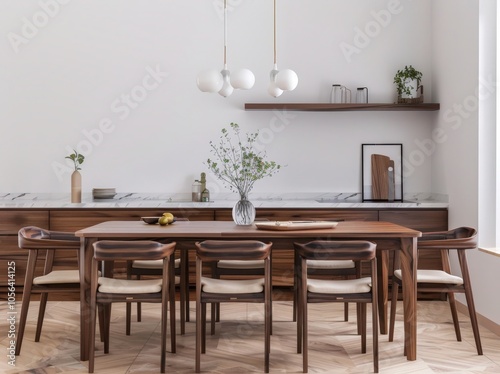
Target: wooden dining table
(388, 236)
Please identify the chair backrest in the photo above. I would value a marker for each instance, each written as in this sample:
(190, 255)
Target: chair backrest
(32, 237)
(108, 250)
(459, 238)
(356, 250)
(215, 250)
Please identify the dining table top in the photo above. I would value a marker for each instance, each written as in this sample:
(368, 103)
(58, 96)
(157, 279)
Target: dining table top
(228, 229)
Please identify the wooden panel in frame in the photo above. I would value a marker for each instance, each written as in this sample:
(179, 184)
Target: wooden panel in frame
(382, 172)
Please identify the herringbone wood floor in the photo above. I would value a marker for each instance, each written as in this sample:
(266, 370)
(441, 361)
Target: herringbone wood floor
(237, 346)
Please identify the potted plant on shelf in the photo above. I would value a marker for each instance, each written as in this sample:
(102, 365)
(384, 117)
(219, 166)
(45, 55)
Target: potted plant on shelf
(76, 177)
(407, 84)
(238, 164)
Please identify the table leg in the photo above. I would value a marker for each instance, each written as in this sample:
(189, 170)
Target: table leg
(383, 288)
(409, 270)
(86, 251)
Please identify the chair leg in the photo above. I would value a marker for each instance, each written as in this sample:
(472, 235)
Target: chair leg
(182, 296)
(92, 335)
(375, 323)
(102, 325)
(203, 327)
(128, 309)
(214, 316)
(107, 322)
(199, 322)
(267, 336)
(171, 297)
(470, 300)
(41, 314)
(163, 346)
(346, 312)
(394, 302)
(363, 326)
(454, 315)
(305, 334)
(28, 284)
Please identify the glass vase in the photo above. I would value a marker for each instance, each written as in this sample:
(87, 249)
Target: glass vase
(243, 212)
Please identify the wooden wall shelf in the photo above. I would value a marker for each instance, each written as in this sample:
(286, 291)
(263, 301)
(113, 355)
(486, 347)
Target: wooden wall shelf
(327, 107)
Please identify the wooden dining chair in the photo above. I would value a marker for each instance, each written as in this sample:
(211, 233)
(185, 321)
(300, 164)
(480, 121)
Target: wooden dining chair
(53, 280)
(215, 290)
(107, 290)
(149, 268)
(333, 269)
(359, 290)
(326, 270)
(443, 281)
(231, 268)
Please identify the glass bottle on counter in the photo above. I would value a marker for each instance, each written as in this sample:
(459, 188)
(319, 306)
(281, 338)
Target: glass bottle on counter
(205, 196)
(196, 191)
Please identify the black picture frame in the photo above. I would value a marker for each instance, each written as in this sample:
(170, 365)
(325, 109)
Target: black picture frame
(382, 184)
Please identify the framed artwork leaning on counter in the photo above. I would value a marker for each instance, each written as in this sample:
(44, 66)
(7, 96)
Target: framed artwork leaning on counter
(382, 172)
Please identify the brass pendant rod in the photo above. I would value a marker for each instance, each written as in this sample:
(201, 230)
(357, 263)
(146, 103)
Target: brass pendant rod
(225, 33)
(275, 50)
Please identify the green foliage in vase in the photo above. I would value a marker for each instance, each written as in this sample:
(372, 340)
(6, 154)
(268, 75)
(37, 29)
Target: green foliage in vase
(237, 163)
(402, 76)
(77, 159)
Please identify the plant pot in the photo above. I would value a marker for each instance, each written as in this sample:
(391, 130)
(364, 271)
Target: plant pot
(243, 212)
(76, 187)
(412, 85)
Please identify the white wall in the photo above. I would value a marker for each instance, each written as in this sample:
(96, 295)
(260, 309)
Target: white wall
(67, 77)
(458, 73)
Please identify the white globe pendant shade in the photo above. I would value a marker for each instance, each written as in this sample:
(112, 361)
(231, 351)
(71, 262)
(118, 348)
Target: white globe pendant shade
(242, 79)
(209, 81)
(287, 80)
(273, 90)
(226, 89)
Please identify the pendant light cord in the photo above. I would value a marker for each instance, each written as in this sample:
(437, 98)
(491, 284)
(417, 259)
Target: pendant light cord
(275, 53)
(225, 33)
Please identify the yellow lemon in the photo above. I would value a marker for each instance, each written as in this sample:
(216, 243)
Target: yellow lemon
(169, 216)
(163, 220)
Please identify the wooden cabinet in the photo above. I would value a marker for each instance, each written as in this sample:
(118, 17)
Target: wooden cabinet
(11, 220)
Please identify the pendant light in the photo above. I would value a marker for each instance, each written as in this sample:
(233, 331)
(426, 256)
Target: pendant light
(285, 80)
(223, 82)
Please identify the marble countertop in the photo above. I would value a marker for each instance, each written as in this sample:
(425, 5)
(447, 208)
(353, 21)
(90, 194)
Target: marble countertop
(222, 200)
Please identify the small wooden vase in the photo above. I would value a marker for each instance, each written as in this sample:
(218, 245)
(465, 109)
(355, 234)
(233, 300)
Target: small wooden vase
(76, 187)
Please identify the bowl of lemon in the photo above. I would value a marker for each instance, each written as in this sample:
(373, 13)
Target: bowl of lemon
(165, 219)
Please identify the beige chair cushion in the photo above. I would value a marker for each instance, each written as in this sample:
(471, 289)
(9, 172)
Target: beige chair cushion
(58, 276)
(236, 264)
(433, 276)
(112, 285)
(153, 264)
(330, 264)
(360, 285)
(211, 285)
